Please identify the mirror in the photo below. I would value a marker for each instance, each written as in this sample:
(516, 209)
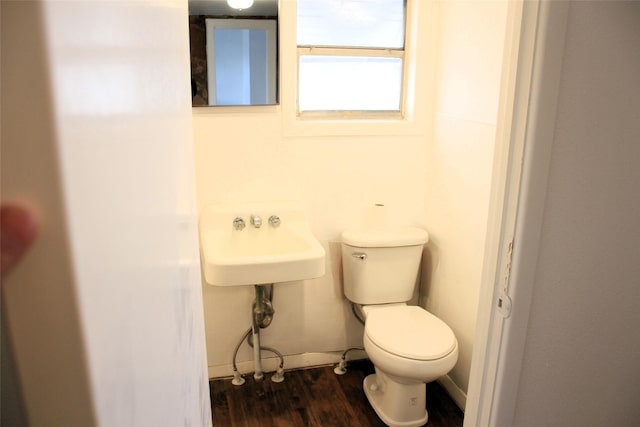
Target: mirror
(234, 58)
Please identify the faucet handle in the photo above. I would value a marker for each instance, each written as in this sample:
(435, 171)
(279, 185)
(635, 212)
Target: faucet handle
(238, 223)
(256, 221)
(274, 220)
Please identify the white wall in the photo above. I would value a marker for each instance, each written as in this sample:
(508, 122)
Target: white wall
(250, 154)
(459, 163)
(437, 179)
(582, 348)
(245, 157)
(105, 314)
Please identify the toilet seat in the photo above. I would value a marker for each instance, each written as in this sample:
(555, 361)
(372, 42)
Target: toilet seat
(410, 332)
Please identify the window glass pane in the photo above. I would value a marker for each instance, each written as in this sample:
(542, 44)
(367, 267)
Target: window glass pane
(352, 23)
(349, 83)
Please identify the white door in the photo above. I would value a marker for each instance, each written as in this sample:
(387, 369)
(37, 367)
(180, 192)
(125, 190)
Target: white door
(105, 312)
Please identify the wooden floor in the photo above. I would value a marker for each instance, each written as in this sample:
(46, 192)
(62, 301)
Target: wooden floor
(314, 397)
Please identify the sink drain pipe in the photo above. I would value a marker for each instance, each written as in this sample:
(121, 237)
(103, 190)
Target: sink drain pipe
(262, 311)
(260, 317)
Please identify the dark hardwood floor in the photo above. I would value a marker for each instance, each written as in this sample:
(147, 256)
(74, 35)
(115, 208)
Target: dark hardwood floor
(314, 397)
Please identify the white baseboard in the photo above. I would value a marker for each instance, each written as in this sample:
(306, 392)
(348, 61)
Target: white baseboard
(293, 361)
(456, 393)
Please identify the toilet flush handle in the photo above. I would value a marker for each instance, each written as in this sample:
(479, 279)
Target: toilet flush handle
(359, 255)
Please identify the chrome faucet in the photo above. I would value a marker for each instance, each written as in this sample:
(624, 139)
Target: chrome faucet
(256, 221)
(238, 223)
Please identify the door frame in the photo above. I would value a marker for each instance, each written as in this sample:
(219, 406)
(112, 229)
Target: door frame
(534, 48)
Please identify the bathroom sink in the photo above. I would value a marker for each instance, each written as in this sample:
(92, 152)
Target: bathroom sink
(258, 243)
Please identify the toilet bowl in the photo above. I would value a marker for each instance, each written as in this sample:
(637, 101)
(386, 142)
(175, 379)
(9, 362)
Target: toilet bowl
(408, 347)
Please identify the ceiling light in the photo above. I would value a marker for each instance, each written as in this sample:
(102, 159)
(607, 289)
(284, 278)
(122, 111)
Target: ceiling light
(240, 4)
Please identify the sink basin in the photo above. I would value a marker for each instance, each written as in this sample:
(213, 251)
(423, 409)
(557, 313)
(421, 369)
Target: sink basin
(235, 252)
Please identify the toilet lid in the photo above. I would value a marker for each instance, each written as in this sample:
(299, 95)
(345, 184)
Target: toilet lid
(410, 331)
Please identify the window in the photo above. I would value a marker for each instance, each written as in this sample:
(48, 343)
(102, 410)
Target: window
(350, 57)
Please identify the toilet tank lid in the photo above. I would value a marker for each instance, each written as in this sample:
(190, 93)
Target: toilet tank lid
(385, 237)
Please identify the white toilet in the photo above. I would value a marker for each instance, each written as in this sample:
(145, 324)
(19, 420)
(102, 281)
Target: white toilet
(407, 345)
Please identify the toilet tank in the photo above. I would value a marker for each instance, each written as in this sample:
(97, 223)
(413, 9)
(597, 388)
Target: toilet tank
(381, 266)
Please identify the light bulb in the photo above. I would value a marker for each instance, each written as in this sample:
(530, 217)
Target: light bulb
(240, 4)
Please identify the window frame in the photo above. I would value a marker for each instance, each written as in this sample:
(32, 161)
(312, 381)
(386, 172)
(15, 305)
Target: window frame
(419, 53)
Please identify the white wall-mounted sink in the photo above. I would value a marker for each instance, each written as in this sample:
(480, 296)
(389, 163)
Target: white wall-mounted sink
(275, 252)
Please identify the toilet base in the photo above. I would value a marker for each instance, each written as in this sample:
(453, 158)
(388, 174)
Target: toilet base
(397, 405)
